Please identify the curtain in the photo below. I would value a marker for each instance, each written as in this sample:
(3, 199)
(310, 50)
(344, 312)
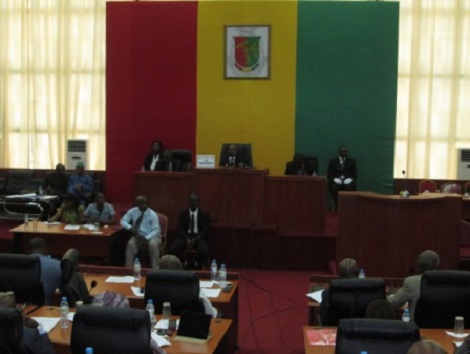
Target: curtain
(52, 60)
(433, 108)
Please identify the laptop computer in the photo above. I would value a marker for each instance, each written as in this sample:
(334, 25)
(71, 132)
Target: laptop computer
(193, 327)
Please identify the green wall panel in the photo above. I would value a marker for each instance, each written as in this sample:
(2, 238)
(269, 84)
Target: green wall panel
(347, 85)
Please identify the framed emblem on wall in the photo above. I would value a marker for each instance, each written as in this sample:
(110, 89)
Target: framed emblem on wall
(247, 52)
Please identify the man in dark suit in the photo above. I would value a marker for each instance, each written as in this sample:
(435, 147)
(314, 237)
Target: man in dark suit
(168, 164)
(300, 166)
(192, 232)
(342, 174)
(232, 159)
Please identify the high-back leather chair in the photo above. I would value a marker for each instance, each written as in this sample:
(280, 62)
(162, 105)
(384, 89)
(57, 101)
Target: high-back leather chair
(110, 330)
(11, 331)
(243, 150)
(427, 185)
(444, 295)
(179, 287)
(72, 284)
(185, 157)
(22, 274)
(348, 298)
(375, 336)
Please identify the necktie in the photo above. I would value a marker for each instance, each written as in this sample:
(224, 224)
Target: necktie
(191, 225)
(342, 162)
(138, 222)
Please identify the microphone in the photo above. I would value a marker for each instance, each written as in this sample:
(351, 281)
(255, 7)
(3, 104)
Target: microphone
(93, 284)
(405, 192)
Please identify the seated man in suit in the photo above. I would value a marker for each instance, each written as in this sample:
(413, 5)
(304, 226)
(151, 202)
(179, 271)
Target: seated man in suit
(80, 184)
(347, 269)
(55, 183)
(342, 174)
(300, 166)
(50, 268)
(411, 289)
(172, 262)
(168, 164)
(192, 232)
(232, 159)
(142, 223)
(35, 339)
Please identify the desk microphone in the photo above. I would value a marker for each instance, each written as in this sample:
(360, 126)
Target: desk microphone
(93, 284)
(405, 192)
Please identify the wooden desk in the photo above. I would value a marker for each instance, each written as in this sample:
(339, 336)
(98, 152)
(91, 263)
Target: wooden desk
(282, 194)
(226, 303)
(386, 233)
(60, 338)
(90, 244)
(232, 196)
(437, 335)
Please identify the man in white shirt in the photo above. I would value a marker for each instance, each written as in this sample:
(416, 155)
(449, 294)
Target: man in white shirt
(142, 222)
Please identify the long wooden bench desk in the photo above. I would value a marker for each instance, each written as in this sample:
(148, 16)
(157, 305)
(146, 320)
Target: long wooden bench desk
(60, 338)
(59, 240)
(226, 303)
(438, 335)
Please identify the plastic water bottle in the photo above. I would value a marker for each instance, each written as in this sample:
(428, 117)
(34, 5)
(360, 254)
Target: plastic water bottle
(137, 269)
(406, 315)
(26, 222)
(362, 274)
(222, 276)
(64, 312)
(214, 270)
(151, 310)
(88, 350)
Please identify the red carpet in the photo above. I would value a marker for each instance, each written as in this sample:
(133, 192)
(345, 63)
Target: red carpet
(272, 310)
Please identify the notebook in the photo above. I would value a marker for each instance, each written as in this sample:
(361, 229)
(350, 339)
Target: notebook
(193, 327)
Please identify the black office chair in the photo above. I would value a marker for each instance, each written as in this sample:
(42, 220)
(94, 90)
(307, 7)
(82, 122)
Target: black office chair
(185, 157)
(348, 298)
(72, 284)
(11, 331)
(375, 336)
(243, 150)
(22, 274)
(110, 330)
(179, 287)
(444, 295)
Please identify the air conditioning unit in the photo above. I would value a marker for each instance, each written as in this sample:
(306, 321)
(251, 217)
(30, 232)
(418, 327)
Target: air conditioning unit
(463, 164)
(77, 150)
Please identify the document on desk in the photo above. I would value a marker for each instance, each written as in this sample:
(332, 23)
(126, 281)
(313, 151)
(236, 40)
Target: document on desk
(72, 227)
(325, 336)
(137, 291)
(206, 283)
(161, 341)
(124, 279)
(316, 295)
(47, 323)
(211, 292)
(52, 223)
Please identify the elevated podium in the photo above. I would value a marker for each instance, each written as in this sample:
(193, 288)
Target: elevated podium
(386, 233)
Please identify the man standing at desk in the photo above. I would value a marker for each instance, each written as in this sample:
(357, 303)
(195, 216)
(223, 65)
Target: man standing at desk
(342, 174)
(142, 222)
(192, 231)
(80, 184)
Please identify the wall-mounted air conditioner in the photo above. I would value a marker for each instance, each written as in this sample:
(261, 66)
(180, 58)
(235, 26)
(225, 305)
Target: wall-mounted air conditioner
(77, 150)
(463, 164)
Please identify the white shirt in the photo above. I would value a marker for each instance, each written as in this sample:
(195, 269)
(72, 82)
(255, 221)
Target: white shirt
(154, 162)
(191, 213)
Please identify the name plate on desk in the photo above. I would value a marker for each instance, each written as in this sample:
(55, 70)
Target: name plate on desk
(205, 161)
